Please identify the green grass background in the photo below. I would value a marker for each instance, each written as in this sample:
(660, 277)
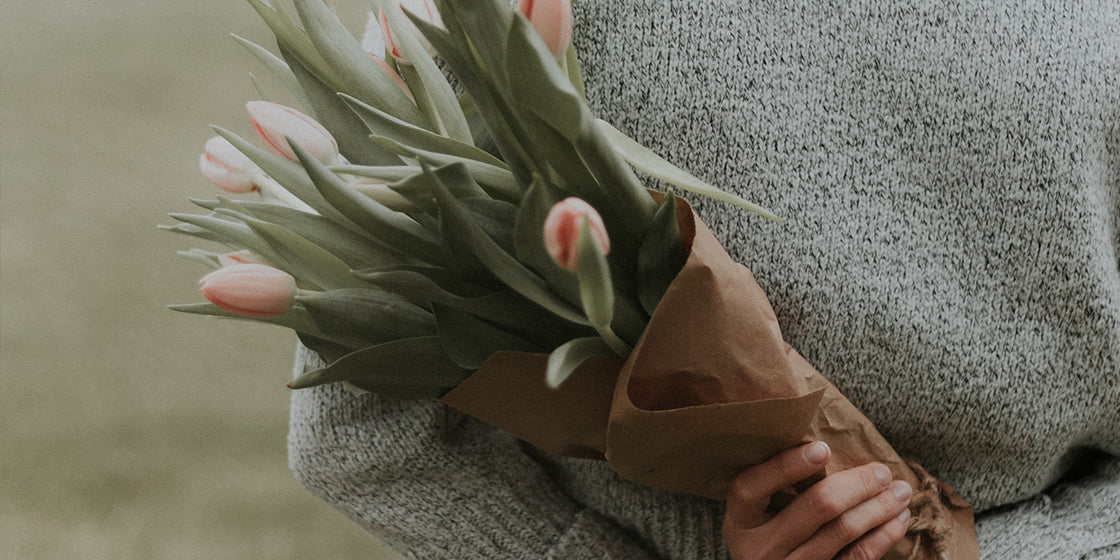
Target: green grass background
(127, 430)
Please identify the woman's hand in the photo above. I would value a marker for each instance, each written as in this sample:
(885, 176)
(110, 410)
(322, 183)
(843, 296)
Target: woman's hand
(856, 514)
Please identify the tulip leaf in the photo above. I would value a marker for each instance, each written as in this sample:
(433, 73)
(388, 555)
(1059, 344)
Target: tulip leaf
(643, 158)
(198, 232)
(296, 318)
(363, 77)
(279, 68)
(355, 250)
(387, 227)
(205, 258)
(504, 308)
(349, 132)
(306, 260)
(528, 239)
(384, 124)
(373, 316)
(435, 97)
(661, 255)
(410, 368)
(459, 54)
(566, 358)
(470, 341)
(496, 181)
(595, 287)
(504, 266)
(539, 84)
(290, 37)
(240, 234)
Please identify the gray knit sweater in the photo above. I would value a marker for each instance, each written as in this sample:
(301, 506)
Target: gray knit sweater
(951, 175)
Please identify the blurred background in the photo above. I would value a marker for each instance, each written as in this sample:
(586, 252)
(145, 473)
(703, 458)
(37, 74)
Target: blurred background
(128, 430)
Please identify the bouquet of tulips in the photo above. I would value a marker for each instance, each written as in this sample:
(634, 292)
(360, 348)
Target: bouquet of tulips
(487, 243)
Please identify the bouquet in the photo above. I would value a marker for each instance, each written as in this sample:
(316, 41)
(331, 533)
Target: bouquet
(482, 238)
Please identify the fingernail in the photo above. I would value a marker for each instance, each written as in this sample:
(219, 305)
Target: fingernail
(816, 453)
(883, 474)
(901, 490)
(904, 516)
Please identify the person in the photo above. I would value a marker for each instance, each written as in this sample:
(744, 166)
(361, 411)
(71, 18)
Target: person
(950, 172)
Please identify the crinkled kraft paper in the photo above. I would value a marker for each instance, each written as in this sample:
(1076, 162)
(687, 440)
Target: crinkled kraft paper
(710, 389)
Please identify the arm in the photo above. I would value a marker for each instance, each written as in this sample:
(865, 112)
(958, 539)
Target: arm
(433, 483)
(1077, 519)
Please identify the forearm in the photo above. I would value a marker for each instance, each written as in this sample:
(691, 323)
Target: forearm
(1074, 520)
(436, 484)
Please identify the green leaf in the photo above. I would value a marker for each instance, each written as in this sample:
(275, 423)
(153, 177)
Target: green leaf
(538, 84)
(279, 68)
(373, 316)
(436, 94)
(661, 255)
(235, 231)
(199, 233)
(355, 250)
(643, 158)
(206, 258)
(496, 181)
(503, 265)
(504, 308)
(387, 227)
(363, 78)
(411, 368)
(470, 341)
(296, 318)
(349, 131)
(565, 359)
(306, 260)
(384, 124)
(528, 239)
(595, 288)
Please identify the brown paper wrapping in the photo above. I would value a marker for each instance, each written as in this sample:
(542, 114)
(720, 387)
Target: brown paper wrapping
(710, 389)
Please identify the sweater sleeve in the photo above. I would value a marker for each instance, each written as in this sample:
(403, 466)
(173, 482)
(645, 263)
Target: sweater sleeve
(1075, 520)
(433, 483)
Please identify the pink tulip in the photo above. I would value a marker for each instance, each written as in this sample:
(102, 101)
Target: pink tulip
(561, 231)
(276, 123)
(424, 9)
(226, 166)
(553, 21)
(250, 290)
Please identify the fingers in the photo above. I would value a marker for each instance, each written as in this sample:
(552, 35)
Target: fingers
(830, 497)
(875, 544)
(872, 525)
(750, 492)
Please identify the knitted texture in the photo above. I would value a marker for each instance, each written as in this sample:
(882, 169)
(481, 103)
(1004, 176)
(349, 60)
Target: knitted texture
(951, 176)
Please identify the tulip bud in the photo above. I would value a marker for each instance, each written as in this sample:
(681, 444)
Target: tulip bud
(424, 9)
(243, 256)
(227, 167)
(561, 231)
(276, 123)
(553, 21)
(250, 290)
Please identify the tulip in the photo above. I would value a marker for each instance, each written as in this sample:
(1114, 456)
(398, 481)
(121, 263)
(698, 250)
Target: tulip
(275, 124)
(227, 167)
(424, 9)
(561, 231)
(553, 21)
(250, 290)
